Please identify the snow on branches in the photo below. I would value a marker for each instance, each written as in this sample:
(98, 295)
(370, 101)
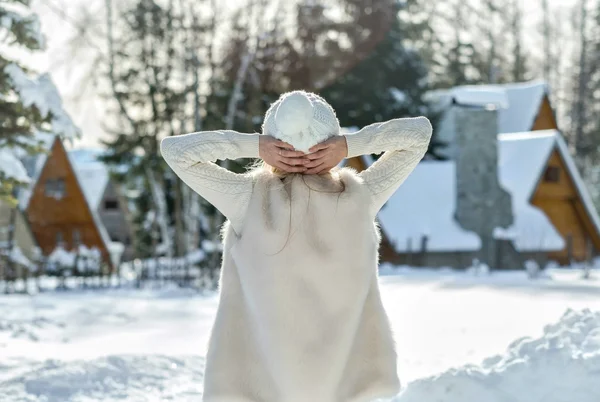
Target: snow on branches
(24, 27)
(42, 93)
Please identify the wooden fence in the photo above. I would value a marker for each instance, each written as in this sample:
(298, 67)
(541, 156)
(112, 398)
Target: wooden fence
(89, 273)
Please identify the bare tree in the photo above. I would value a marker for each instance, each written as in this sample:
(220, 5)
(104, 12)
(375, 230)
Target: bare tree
(580, 102)
(546, 37)
(518, 59)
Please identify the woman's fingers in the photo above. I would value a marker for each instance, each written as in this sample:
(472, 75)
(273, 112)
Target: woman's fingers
(314, 163)
(290, 154)
(316, 170)
(293, 161)
(292, 169)
(318, 147)
(317, 155)
(282, 144)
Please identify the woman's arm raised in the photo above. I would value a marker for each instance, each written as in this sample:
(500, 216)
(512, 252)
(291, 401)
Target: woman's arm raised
(191, 157)
(404, 142)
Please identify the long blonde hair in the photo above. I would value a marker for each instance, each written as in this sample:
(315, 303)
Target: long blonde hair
(260, 166)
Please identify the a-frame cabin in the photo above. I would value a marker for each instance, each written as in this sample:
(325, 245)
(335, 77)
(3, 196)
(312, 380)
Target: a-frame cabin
(57, 209)
(561, 194)
(528, 138)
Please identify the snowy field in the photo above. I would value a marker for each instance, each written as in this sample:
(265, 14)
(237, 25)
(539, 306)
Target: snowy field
(459, 337)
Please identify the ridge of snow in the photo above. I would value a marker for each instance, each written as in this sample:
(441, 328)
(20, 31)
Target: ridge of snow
(108, 377)
(561, 365)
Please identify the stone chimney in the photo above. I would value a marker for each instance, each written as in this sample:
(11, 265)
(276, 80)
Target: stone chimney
(481, 203)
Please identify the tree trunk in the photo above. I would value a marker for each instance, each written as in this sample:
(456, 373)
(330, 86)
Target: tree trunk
(546, 37)
(158, 198)
(581, 88)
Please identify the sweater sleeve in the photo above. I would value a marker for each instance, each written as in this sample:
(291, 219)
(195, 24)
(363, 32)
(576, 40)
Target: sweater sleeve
(191, 157)
(404, 142)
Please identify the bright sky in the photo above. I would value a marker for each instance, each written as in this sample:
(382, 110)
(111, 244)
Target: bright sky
(80, 99)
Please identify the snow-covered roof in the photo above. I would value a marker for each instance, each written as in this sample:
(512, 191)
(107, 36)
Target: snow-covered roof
(93, 195)
(426, 202)
(92, 174)
(425, 205)
(524, 101)
(523, 157)
(470, 95)
(518, 103)
(34, 164)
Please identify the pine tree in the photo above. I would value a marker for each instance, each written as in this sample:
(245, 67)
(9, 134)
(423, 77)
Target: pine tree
(28, 104)
(458, 60)
(148, 92)
(388, 83)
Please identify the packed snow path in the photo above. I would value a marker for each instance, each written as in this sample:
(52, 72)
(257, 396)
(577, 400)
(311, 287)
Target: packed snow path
(149, 345)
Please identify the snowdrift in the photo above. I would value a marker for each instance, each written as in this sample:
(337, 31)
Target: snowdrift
(113, 378)
(563, 365)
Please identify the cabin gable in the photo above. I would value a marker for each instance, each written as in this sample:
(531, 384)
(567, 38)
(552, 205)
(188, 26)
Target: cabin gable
(58, 211)
(545, 119)
(557, 195)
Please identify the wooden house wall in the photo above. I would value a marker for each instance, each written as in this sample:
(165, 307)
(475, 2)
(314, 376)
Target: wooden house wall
(52, 217)
(562, 204)
(545, 119)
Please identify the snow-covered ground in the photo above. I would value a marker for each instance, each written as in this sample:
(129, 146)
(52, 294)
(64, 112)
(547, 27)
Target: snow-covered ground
(459, 337)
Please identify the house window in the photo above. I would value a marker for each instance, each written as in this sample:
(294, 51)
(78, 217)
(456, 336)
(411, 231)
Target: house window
(59, 239)
(552, 174)
(55, 188)
(111, 204)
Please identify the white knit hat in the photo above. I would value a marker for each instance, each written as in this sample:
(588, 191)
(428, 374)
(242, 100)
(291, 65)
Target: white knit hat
(301, 119)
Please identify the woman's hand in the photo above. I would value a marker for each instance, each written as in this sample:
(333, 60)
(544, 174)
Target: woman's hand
(327, 155)
(281, 155)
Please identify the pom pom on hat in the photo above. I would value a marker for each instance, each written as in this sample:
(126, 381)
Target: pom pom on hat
(301, 119)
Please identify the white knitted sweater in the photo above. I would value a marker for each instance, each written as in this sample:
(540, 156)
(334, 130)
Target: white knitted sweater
(300, 317)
